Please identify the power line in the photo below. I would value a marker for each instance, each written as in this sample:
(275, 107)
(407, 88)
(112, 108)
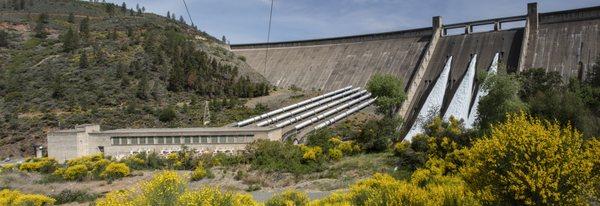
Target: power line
(188, 12)
(268, 35)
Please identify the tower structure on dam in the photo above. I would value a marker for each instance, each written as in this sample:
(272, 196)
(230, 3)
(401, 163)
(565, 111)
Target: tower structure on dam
(563, 41)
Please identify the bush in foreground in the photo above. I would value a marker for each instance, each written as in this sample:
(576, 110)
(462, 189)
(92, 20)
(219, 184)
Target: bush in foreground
(16, 198)
(528, 161)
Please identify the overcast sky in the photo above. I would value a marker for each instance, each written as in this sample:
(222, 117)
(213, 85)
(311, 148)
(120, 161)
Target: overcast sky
(246, 21)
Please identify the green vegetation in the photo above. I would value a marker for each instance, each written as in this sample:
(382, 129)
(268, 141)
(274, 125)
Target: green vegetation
(16, 198)
(91, 63)
(69, 196)
(389, 91)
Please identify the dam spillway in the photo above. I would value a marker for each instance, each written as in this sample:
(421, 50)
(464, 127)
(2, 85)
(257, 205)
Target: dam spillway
(563, 41)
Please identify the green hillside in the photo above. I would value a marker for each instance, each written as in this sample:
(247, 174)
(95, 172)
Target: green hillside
(65, 62)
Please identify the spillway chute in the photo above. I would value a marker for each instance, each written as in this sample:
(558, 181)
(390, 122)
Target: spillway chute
(433, 102)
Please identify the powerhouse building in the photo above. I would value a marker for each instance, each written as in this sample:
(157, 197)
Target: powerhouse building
(90, 139)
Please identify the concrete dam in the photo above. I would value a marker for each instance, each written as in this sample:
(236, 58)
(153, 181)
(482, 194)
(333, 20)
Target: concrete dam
(563, 41)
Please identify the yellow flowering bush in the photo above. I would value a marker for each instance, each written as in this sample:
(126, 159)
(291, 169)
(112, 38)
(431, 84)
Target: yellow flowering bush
(88, 161)
(288, 198)
(335, 154)
(16, 198)
(6, 168)
(115, 171)
(213, 196)
(528, 161)
(199, 173)
(74, 172)
(383, 189)
(43, 165)
(168, 188)
(312, 153)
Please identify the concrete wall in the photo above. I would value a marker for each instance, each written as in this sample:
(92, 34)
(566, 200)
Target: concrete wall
(567, 42)
(461, 48)
(335, 63)
(62, 146)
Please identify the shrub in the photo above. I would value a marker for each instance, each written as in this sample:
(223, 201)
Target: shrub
(199, 173)
(502, 98)
(288, 198)
(7, 168)
(212, 196)
(335, 154)
(276, 156)
(382, 189)
(312, 153)
(115, 171)
(43, 165)
(164, 189)
(10, 197)
(531, 161)
(167, 114)
(75, 172)
(389, 91)
(377, 135)
(68, 196)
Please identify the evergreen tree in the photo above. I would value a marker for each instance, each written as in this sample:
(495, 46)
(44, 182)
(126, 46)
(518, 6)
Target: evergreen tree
(129, 31)
(21, 4)
(168, 14)
(142, 89)
(70, 40)
(83, 60)
(84, 28)
(143, 9)
(40, 28)
(124, 7)
(110, 9)
(593, 77)
(3, 38)
(113, 35)
(57, 87)
(71, 18)
(181, 19)
(139, 12)
(223, 39)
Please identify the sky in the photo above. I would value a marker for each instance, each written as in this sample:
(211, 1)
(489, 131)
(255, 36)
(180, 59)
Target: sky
(246, 21)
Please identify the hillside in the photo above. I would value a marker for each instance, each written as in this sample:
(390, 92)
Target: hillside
(65, 62)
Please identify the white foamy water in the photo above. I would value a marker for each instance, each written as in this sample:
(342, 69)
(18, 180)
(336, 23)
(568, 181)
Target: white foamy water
(480, 93)
(432, 104)
(459, 105)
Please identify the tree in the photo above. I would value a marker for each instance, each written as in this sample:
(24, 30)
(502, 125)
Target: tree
(530, 161)
(167, 114)
(113, 35)
(502, 98)
(110, 9)
(142, 89)
(537, 80)
(224, 40)
(168, 14)
(3, 38)
(377, 135)
(389, 91)
(593, 75)
(84, 28)
(181, 19)
(70, 40)
(40, 28)
(83, 60)
(124, 7)
(71, 18)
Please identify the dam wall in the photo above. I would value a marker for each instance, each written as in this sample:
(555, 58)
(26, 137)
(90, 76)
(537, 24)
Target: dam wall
(563, 41)
(566, 41)
(328, 64)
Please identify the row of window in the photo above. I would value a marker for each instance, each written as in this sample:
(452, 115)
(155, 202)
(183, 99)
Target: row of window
(177, 140)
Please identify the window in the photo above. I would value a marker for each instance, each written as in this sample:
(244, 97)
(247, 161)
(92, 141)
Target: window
(222, 139)
(161, 140)
(133, 140)
(187, 140)
(249, 138)
(204, 139)
(177, 140)
(142, 140)
(239, 139)
(169, 140)
(230, 139)
(115, 140)
(150, 140)
(213, 139)
(196, 139)
(123, 140)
